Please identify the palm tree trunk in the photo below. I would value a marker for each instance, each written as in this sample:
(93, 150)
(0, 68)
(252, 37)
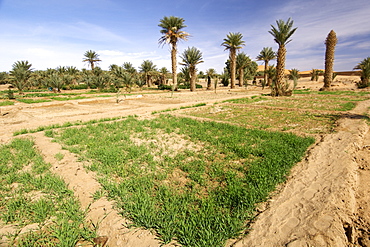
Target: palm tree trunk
(92, 65)
(241, 77)
(174, 65)
(233, 67)
(192, 79)
(280, 71)
(265, 74)
(331, 41)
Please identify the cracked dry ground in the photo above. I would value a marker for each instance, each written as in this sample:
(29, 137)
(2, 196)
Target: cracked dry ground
(325, 201)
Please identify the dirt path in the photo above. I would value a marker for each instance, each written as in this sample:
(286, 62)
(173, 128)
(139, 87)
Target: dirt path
(325, 202)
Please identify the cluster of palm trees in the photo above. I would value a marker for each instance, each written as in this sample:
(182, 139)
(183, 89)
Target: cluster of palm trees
(238, 65)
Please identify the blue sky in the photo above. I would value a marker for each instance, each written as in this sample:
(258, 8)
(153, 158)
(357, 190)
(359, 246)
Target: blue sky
(51, 33)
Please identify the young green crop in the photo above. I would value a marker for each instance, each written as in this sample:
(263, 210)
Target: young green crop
(197, 182)
(31, 194)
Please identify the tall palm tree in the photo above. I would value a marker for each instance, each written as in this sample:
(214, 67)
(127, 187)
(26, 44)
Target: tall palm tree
(364, 66)
(91, 57)
(147, 68)
(20, 74)
(210, 74)
(191, 57)
(172, 32)
(330, 42)
(242, 61)
(266, 55)
(281, 34)
(233, 43)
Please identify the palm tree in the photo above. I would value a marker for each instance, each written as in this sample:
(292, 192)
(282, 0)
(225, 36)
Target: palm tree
(281, 34)
(242, 61)
(233, 43)
(172, 33)
(147, 67)
(190, 58)
(20, 74)
(163, 74)
(364, 66)
(210, 74)
(271, 75)
(330, 43)
(129, 67)
(91, 57)
(294, 75)
(315, 73)
(56, 81)
(266, 55)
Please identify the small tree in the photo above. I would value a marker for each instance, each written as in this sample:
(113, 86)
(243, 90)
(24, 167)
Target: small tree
(364, 66)
(242, 61)
(210, 74)
(271, 75)
(56, 81)
(91, 57)
(315, 73)
(20, 74)
(266, 55)
(233, 43)
(148, 68)
(191, 57)
(294, 75)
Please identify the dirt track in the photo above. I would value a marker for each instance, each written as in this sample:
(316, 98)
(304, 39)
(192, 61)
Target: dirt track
(324, 202)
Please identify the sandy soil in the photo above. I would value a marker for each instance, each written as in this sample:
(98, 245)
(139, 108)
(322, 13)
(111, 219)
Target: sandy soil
(325, 201)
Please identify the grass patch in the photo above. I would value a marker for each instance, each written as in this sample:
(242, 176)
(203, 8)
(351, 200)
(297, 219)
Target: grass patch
(269, 118)
(30, 194)
(68, 98)
(7, 102)
(196, 182)
(32, 101)
(48, 129)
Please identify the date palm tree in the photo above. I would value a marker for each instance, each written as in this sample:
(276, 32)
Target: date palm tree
(129, 68)
(163, 75)
(147, 68)
(282, 34)
(242, 61)
(91, 57)
(20, 74)
(266, 55)
(191, 57)
(294, 75)
(330, 42)
(233, 43)
(210, 74)
(172, 33)
(364, 66)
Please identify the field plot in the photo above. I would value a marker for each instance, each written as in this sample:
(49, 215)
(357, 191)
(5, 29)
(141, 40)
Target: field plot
(305, 112)
(36, 205)
(196, 182)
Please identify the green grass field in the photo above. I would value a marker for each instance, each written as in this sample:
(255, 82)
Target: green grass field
(31, 195)
(196, 182)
